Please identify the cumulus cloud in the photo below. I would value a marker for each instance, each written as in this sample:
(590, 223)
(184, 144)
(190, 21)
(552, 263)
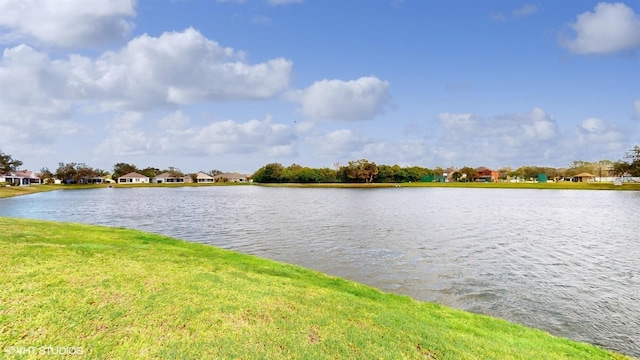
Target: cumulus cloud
(597, 133)
(508, 136)
(338, 144)
(52, 98)
(215, 138)
(523, 11)
(360, 99)
(611, 27)
(68, 23)
(284, 2)
(175, 68)
(124, 121)
(526, 10)
(183, 68)
(176, 120)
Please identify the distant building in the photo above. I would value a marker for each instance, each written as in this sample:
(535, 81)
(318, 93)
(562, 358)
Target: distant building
(133, 178)
(231, 177)
(21, 178)
(167, 177)
(486, 174)
(204, 178)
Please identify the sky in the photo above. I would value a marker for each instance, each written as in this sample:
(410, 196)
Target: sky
(233, 85)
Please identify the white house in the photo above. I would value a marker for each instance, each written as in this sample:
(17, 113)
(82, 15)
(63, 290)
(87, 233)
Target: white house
(167, 177)
(204, 178)
(133, 178)
(21, 178)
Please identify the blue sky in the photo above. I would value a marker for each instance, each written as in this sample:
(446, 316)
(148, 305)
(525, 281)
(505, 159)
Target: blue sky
(236, 84)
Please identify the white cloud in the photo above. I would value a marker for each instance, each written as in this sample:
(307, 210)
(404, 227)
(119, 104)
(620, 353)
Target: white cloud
(597, 133)
(215, 138)
(339, 144)
(49, 98)
(150, 72)
(519, 136)
(396, 4)
(284, 2)
(523, 11)
(261, 19)
(360, 99)
(124, 121)
(68, 23)
(176, 120)
(498, 16)
(183, 68)
(609, 28)
(526, 10)
(126, 143)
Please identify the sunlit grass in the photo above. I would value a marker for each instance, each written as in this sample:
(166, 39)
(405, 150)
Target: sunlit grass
(121, 294)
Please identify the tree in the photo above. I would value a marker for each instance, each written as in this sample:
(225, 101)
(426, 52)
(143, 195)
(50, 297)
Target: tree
(46, 176)
(634, 156)
(269, 173)
(468, 173)
(150, 172)
(175, 172)
(359, 171)
(120, 169)
(74, 173)
(620, 168)
(8, 164)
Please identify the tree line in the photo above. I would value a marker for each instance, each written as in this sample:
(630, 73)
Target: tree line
(358, 171)
(364, 171)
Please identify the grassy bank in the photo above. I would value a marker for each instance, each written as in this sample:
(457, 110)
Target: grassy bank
(119, 293)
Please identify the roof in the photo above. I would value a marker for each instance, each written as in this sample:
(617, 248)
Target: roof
(584, 174)
(231, 176)
(482, 168)
(133, 175)
(165, 175)
(23, 173)
(202, 175)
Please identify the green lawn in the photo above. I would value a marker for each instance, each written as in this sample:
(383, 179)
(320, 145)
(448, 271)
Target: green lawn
(119, 294)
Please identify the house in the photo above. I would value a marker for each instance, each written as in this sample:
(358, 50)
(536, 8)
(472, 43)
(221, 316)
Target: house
(486, 174)
(167, 177)
(133, 178)
(204, 178)
(231, 177)
(21, 178)
(584, 177)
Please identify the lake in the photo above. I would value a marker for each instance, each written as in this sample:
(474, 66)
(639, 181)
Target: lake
(567, 262)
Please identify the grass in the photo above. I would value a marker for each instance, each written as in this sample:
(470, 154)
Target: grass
(121, 294)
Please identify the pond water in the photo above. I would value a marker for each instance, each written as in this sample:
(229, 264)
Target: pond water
(567, 262)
